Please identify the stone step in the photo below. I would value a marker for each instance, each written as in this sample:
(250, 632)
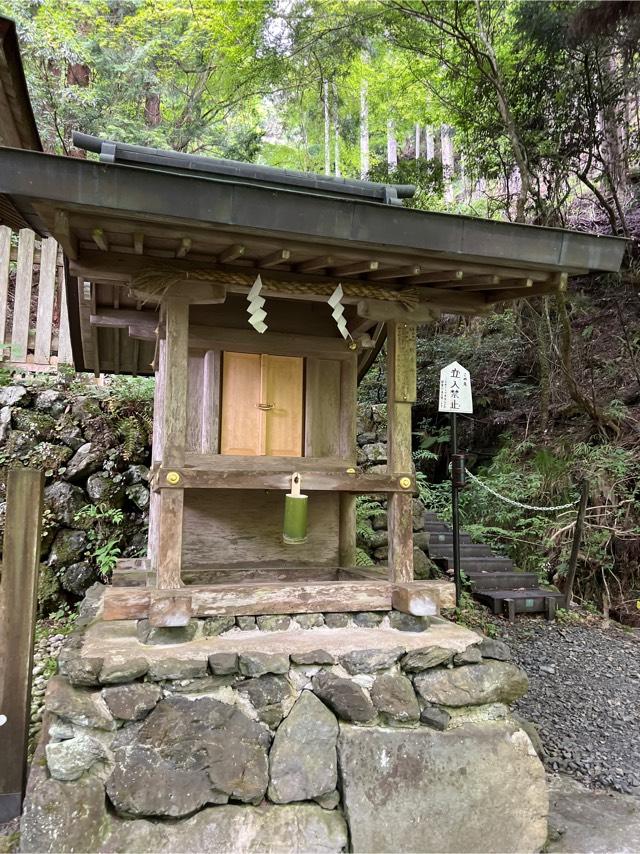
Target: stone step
(445, 537)
(502, 580)
(536, 600)
(489, 564)
(466, 550)
(437, 526)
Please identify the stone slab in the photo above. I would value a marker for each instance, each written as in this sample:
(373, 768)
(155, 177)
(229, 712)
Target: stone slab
(478, 788)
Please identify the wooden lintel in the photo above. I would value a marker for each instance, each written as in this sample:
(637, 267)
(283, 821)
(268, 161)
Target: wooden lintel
(183, 249)
(275, 343)
(275, 258)
(122, 603)
(355, 268)
(332, 481)
(449, 300)
(237, 250)
(189, 290)
(394, 273)
(379, 311)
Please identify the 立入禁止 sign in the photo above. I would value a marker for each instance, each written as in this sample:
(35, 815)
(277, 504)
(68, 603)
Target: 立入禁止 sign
(455, 389)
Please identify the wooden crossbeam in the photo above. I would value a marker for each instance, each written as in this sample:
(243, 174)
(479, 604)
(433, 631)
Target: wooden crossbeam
(313, 264)
(500, 285)
(395, 273)
(275, 258)
(471, 280)
(100, 239)
(183, 249)
(355, 268)
(229, 254)
(436, 277)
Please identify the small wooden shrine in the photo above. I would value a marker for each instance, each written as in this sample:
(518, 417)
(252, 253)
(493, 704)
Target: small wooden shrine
(162, 251)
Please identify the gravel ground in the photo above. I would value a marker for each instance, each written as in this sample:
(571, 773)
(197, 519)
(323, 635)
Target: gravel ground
(584, 698)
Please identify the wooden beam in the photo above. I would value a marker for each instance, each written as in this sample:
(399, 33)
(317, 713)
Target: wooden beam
(378, 311)
(121, 603)
(63, 234)
(401, 393)
(5, 254)
(450, 299)
(46, 295)
(394, 273)
(499, 285)
(100, 239)
(493, 296)
(481, 281)
(229, 254)
(138, 242)
(21, 558)
(188, 290)
(258, 478)
(22, 298)
(355, 268)
(183, 249)
(122, 318)
(323, 262)
(437, 277)
(275, 343)
(275, 258)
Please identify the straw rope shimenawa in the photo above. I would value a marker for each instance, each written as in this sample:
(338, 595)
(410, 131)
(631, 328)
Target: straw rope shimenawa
(157, 282)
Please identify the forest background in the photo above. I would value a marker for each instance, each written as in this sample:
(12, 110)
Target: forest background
(507, 109)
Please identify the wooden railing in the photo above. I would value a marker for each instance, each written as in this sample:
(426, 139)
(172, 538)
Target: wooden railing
(34, 326)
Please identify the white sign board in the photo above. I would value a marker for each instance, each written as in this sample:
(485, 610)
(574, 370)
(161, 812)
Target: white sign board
(455, 389)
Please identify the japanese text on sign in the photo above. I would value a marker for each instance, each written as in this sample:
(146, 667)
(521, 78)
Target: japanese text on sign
(455, 389)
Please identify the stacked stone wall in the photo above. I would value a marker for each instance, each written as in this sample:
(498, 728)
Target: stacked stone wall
(304, 739)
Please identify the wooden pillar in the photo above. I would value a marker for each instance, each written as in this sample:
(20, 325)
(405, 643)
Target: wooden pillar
(18, 600)
(401, 394)
(348, 418)
(174, 435)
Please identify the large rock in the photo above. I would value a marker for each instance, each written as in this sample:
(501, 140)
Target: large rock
(101, 488)
(347, 699)
(394, 698)
(131, 702)
(473, 685)
(51, 401)
(78, 577)
(5, 423)
(370, 660)
(302, 762)
(69, 759)
(12, 394)
(479, 788)
(269, 829)
(189, 753)
(78, 706)
(425, 658)
(63, 816)
(86, 460)
(68, 547)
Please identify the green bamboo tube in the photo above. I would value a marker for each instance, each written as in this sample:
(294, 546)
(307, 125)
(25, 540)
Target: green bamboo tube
(295, 514)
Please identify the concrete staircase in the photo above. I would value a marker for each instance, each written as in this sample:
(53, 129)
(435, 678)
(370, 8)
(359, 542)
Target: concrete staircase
(494, 579)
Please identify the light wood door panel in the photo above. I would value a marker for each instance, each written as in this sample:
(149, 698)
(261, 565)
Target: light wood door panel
(282, 391)
(242, 430)
(262, 405)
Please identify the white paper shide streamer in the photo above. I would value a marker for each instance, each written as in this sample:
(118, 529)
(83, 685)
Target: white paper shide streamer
(338, 311)
(256, 311)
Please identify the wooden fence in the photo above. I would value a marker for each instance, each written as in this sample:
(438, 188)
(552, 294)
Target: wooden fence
(34, 326)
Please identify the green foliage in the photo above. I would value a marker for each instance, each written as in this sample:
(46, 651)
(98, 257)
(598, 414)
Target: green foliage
(104, 535)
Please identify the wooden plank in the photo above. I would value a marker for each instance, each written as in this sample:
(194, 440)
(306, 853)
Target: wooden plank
(282, 382)
(46, 294)
(395, 273)
(22, 298)
(355, 268)
(237, 250)
(64, 236)
(259, 478)
(157, 447)
(5, 257)
(414, 599)
(234, 528)
(211, 402)
(242, 422)
(275, 258)
(322, 262)
(171, 610)
(65, 354)
(275, 343)
(347, 529)
(124, 317)
(257, 599)
(195, 394)
(401, 392)
(188, 290)
(322, 408)
(183, 249)
(348, 408)
(380, 311)
(174, 430)
(19, 596)
(100, 239)
(436, 277)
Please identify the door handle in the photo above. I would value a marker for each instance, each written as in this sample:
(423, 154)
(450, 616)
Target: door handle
(265, 406)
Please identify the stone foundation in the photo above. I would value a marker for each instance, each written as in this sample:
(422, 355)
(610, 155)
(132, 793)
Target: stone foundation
(307, 739)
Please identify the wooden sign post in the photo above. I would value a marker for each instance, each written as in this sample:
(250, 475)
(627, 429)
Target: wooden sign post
(18, 600)
(455, 396)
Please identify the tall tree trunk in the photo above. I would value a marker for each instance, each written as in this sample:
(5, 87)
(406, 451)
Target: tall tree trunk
(446, 141)
(327, 127)
(392, 146)
(364, 130)
(417, 141)
(431, 143)
(336, 131)
(152, 114)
